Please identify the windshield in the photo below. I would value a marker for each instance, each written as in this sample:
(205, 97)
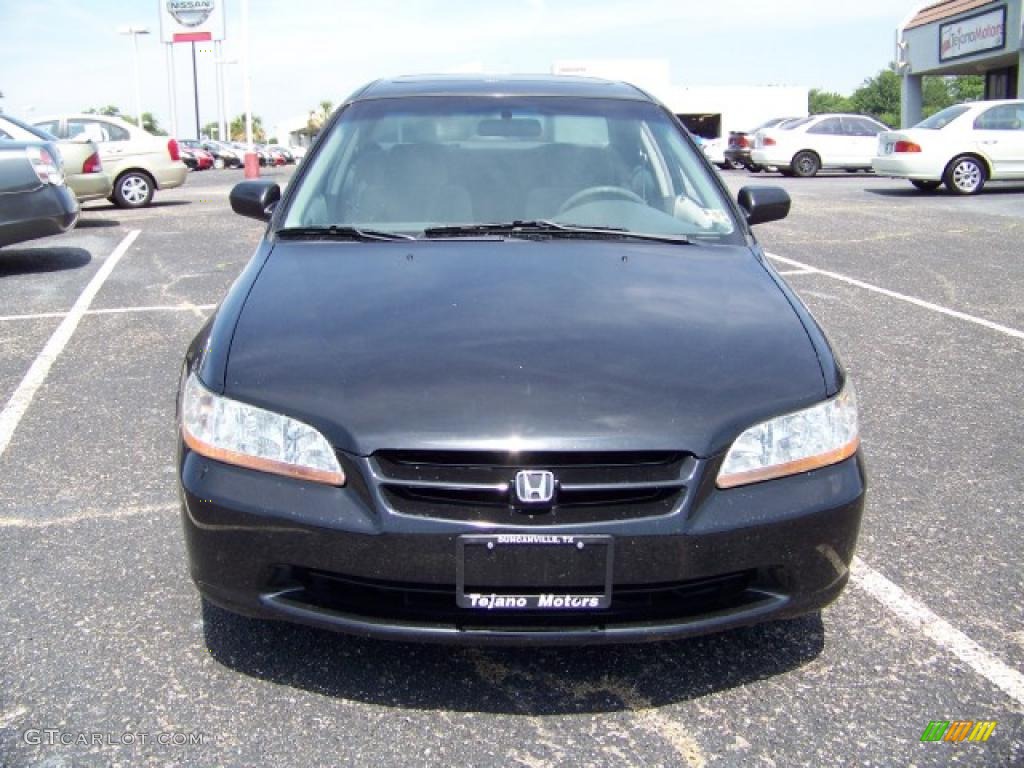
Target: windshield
(413, 164)
(941, 119)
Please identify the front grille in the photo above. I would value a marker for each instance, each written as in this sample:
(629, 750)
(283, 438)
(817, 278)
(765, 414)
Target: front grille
(479, 486)
(435, 604)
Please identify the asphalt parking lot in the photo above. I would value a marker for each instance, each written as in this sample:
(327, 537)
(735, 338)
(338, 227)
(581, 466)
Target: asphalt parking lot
(104, 638)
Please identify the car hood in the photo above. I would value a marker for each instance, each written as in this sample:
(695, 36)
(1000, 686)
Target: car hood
(491, 344)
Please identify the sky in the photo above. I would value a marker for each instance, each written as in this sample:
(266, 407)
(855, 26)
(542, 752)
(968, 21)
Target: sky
(66, 55)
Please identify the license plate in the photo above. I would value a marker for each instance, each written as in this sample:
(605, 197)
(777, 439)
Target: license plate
(533, 572)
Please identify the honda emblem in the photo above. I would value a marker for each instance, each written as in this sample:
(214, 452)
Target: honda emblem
(535, 486)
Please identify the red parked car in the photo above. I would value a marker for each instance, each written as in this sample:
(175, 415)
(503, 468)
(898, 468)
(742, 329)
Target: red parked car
(194, 156)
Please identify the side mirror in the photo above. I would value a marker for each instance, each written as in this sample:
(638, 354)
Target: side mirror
(255, 199)
(763, 204)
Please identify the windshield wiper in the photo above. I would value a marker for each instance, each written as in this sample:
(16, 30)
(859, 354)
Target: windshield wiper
(546, 227)
(335, 232)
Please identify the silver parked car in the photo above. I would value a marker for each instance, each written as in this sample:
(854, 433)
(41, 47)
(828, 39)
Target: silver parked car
(36, 201)
(83, 167)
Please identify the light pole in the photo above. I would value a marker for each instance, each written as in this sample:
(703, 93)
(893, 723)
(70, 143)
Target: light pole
(252, 164)
(225, 106)
(135, 32)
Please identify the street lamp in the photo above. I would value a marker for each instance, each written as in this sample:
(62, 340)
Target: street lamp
(224, 128)
(135, 32)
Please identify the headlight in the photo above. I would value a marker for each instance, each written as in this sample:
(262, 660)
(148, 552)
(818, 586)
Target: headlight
(797, 442)
(240, 434)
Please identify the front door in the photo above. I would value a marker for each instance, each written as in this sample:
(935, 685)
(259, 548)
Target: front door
(999, 133)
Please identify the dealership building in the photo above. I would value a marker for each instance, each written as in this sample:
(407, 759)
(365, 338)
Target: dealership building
(962, 37)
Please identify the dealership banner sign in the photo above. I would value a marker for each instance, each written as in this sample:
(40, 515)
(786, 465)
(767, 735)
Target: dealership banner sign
(191, 21)
(973, 34)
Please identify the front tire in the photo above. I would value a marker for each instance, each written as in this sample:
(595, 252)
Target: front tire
(806, 164)
(133, 189)
(966, 175)
(926, 186)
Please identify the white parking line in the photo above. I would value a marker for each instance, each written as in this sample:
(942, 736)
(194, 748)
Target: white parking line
(940, 631)
(908, 609)
(22, 397)
(1004, 329)
(789, 272)
(113, 311)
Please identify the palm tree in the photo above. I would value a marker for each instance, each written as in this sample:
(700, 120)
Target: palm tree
(237, 129)
(317, 118)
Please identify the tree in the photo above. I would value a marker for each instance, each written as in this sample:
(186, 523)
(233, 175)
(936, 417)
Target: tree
(212, 130)
(109, 111)
(237, 129)
(879, 96)
(820, 102)
(150, 124)
(317, 117)
(967, 88)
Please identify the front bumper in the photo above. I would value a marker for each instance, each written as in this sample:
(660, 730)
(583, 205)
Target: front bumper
(277, 548)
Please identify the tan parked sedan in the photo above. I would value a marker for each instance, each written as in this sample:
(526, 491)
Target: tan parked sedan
(139, 162)
(83, 169)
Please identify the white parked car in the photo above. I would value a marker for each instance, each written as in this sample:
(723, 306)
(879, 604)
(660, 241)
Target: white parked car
(820, 141)
(962, 146)
(139, 162)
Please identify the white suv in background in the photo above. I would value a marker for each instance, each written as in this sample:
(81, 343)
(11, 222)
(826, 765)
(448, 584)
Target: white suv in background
(963, 146)
(820, 141)
(139, 162)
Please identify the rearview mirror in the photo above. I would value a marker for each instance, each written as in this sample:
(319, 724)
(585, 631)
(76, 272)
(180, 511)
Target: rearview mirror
(255, 199)
(763, 204)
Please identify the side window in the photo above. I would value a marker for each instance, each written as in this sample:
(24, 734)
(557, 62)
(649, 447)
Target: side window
(50, 126)
(97, 130)
(1005, 117)
(5, 135)
(114, 132)
(829, 127)
(861, 126)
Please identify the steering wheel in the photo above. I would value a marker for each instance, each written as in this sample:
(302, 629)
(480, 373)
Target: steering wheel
(601, 193)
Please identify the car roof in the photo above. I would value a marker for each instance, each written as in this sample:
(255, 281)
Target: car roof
(499, 85)
(840, 114)
(84, 116)
(988, 103)
(9, 144)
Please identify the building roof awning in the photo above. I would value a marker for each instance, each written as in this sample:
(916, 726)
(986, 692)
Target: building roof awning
(944, 10)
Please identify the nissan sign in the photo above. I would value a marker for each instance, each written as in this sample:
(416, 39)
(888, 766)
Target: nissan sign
(184, 21)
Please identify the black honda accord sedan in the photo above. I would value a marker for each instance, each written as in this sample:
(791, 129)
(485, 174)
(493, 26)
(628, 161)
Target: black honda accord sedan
(509, 366)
